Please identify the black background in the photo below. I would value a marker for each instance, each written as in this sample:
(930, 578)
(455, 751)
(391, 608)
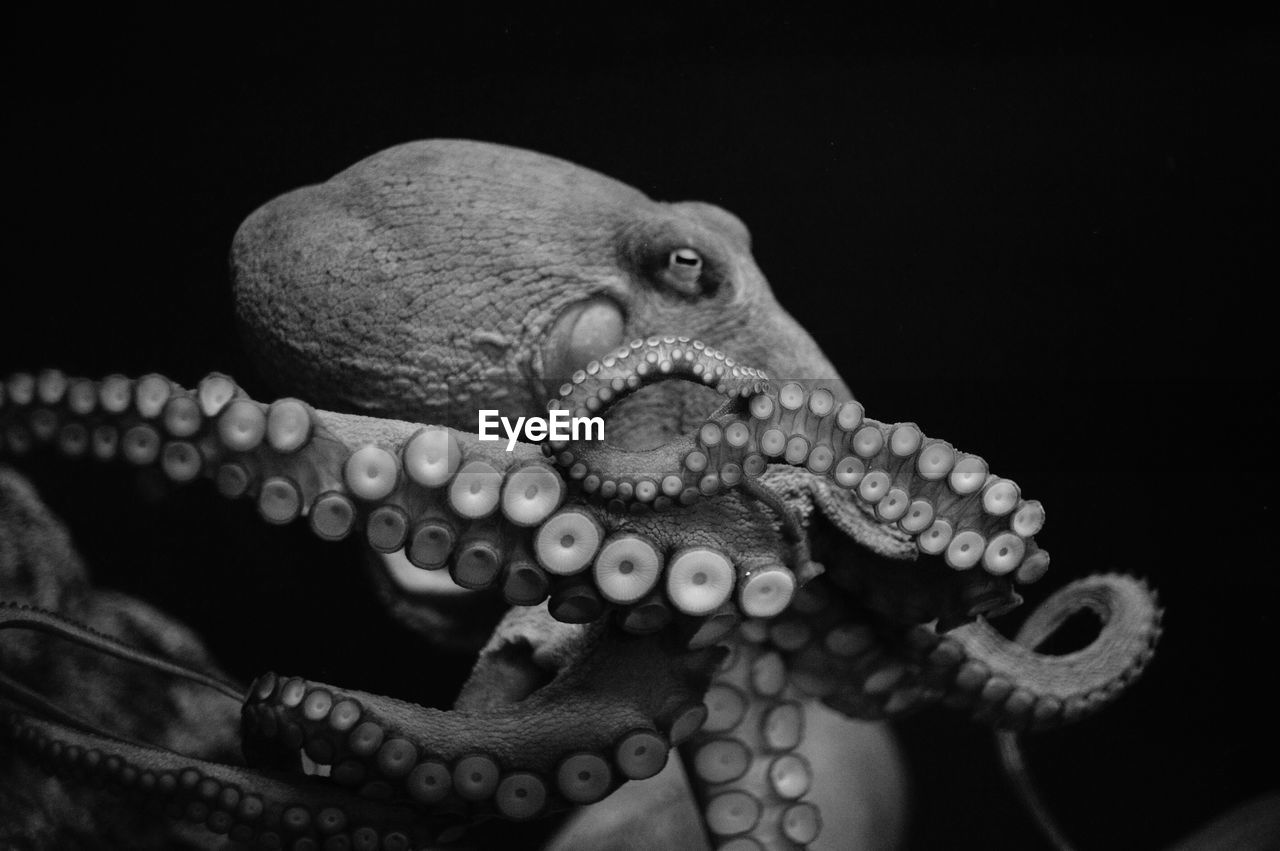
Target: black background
(1051, 241)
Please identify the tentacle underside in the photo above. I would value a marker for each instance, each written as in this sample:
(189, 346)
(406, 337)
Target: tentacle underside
(1067, 686)
(610, 716)
(497, 519)
(748, 774)
(752, 783)
(518, 754)
(492, 518)
(946, 500)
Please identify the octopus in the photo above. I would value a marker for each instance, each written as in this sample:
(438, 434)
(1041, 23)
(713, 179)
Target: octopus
(748, 571)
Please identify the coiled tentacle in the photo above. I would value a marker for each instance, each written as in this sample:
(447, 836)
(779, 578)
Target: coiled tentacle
(878, 670)
(751, 782)
(948, 501)
(1016, 686)
(649, 477)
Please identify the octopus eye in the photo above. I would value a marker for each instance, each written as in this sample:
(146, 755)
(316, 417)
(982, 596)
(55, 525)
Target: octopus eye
(684, 270)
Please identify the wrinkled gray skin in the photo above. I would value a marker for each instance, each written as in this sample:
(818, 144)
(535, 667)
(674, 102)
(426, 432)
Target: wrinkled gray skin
(437, 277)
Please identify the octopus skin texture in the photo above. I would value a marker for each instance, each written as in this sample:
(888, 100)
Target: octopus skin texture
(749, 570)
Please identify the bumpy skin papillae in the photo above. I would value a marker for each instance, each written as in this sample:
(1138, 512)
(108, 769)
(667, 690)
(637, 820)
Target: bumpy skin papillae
(440, 276)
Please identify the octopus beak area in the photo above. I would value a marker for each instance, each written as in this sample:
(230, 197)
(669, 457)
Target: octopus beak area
(553, 715)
